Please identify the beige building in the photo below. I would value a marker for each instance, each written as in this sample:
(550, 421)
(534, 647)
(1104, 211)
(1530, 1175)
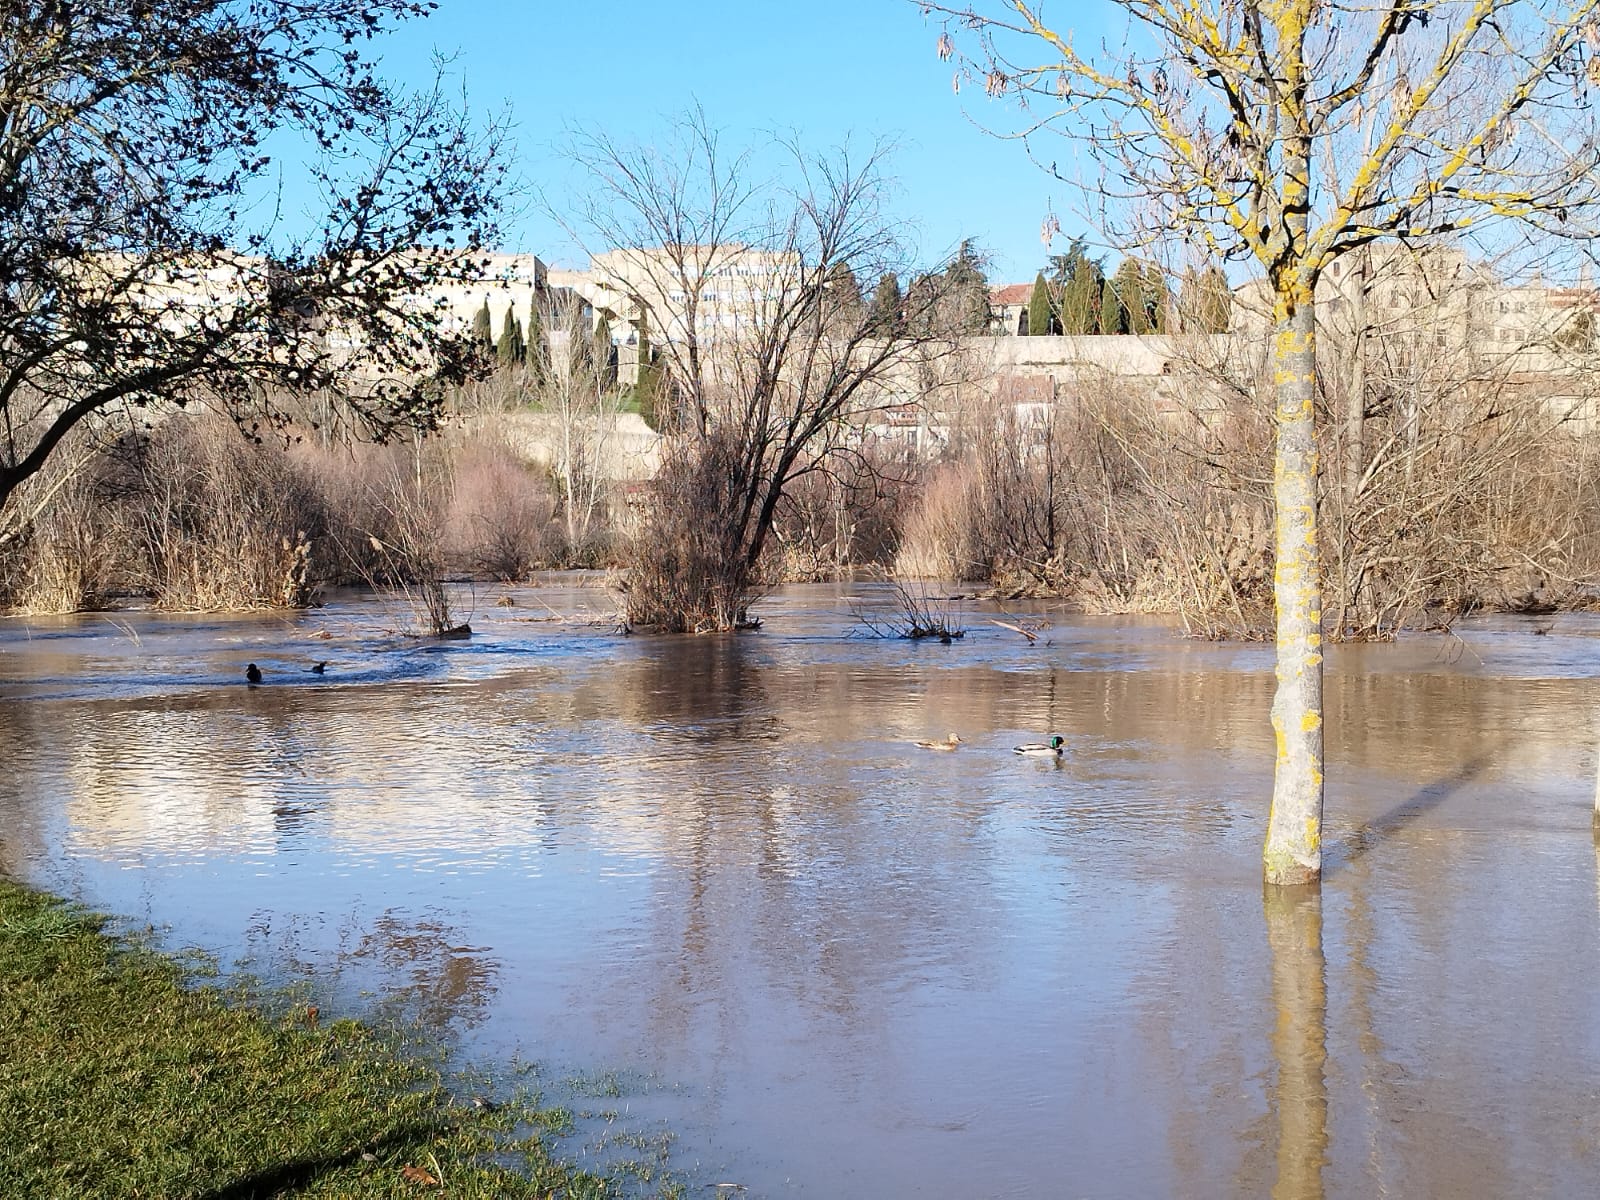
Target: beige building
(1419, 312)
(508, 284)
(713, 292)
(1435, 299)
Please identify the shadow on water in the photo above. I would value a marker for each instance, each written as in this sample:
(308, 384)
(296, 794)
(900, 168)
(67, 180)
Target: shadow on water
(1299, 1100)
(1368, 837)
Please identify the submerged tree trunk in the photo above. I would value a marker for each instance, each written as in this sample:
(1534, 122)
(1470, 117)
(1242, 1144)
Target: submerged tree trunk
(1293, 853)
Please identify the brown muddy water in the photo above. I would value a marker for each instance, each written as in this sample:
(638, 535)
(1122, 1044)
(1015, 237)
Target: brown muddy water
(711, 886)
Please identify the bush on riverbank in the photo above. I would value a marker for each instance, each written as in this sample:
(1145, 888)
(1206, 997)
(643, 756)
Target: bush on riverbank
(117, 1078)
(1469, 498)
(1456, 500)
(197, 517)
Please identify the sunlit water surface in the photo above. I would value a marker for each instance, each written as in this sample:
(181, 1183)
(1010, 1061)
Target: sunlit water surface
(718, 874)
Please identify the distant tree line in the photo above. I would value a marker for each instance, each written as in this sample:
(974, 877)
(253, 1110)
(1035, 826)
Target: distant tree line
(955, 300)
(1074, 296)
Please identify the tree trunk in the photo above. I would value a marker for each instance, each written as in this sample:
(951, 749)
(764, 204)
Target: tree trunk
(1293, 853)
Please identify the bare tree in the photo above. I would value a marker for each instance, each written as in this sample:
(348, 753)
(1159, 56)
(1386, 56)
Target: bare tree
(771, 363)
(142, 260)
(1440, 433)
(1293, 133)
(570, 381)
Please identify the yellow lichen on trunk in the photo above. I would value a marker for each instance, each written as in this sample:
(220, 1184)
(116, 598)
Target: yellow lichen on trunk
(1293, 852)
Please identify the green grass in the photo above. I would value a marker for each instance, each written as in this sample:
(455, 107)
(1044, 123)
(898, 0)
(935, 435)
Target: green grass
(119, 1076)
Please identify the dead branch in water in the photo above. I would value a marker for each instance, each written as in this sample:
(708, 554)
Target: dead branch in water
(1031, 630)
(917, 616)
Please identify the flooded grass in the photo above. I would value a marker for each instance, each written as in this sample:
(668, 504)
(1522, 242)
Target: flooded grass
(119, 1078)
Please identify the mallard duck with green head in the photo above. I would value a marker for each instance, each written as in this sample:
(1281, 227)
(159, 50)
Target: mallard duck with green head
(1051, 749)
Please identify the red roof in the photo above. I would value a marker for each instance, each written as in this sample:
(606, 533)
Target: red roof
(1012, 293)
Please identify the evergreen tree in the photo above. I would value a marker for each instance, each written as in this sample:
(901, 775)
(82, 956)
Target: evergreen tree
(1129, 283)
(1157, 299)
(968, 290)
(846, 290)
(888, 306)
(511, 348)
(1205, 305)
(1113, 314)
(647, 387)
(535, 350)
(1078, 281)
(605, 354)
(1041, 321)
(483, 327)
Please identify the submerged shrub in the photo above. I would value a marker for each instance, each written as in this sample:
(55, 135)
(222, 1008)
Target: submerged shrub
(219, 521)
(689, 572)
(71, 555)
(499, 512)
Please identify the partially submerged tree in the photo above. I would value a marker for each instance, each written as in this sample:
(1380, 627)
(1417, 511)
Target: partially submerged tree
(141, 260)
(1292, 133)
(772, 371)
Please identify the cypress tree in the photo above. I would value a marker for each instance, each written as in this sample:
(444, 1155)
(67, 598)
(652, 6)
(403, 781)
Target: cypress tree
(511, 348)
(1216, 300)
(1157, 301)
(647, 384)
(1113, 316)
(1079, 282)
(846, 290)
(483, 327)
(1039, 315)
(1128, 284)
(1205, 301)
(535, 347)
(887, 310)
(605, 355)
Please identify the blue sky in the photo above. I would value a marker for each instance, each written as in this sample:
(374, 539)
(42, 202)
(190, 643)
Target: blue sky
(827, 69)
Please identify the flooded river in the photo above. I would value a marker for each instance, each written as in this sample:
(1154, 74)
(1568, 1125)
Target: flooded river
(718, 876)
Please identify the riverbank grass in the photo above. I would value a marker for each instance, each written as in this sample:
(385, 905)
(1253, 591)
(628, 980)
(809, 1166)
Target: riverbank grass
(119, 1077)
